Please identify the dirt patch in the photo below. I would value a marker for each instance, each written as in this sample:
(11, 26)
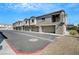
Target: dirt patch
(64, 45)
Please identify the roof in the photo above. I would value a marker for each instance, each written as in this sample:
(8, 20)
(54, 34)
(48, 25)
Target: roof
(45, 14)
(33, 17)
(41, 15)
(26, 19)
(52, 13)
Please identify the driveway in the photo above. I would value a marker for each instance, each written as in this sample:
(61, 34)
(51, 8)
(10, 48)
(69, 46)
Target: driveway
(27, 41)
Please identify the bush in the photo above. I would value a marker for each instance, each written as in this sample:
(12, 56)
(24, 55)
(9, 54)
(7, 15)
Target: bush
(73, 32)
(74, 28)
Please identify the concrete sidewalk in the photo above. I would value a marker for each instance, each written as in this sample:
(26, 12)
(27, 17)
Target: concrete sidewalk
(6, 49)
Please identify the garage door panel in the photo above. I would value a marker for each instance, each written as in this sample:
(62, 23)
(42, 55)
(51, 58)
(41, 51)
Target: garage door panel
(35, 28)
(48, 29)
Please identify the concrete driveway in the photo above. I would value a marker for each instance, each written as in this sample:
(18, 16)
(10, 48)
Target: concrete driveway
(27, 41)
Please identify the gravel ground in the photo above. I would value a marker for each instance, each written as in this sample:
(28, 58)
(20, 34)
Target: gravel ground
(64, 45)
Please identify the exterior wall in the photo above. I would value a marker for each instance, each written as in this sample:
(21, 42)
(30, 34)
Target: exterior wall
(18, 25)
(33, 23)
(43, 22)
(61, 28)
(26, 24)
(58, 27)
(47, 21)
(6, 27)
(10, 27)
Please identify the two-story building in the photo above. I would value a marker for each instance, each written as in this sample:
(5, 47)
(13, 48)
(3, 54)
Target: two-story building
(54, 22)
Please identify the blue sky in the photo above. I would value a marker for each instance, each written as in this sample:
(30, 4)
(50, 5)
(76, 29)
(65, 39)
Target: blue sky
(11, 12)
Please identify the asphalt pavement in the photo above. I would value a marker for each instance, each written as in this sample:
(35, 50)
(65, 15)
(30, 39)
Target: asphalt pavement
(27, 41)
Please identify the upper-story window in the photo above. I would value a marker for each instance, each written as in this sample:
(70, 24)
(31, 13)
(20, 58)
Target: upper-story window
(55, 18)
(26, 22)
(43, 19)
(32, 20)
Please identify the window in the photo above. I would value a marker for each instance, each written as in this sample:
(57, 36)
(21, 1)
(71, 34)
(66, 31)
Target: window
(26, 22)
(55, 18)
(43, 19)
(33, 20)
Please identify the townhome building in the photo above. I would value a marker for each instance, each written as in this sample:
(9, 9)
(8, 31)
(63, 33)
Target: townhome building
(17, 25)
(54, 22)
(6, 27)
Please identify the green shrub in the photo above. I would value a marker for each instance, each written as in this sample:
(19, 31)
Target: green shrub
(74, 28)
(73, 32)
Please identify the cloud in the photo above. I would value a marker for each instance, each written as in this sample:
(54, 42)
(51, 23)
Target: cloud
(38, 6)
(42, 7)
(27, 7)
(30, 6)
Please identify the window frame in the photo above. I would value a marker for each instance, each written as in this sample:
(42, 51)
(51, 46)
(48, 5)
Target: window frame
(26, 22)
(32, 20)
(43, 19)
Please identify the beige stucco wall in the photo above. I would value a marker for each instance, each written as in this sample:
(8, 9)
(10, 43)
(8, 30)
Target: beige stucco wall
(47, 24)
(26, 24)
(33, 23)
(61, 29)
(48, 20)
(6, 27)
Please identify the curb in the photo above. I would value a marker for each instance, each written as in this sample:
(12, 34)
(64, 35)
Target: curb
(10, 47)
(25, 53)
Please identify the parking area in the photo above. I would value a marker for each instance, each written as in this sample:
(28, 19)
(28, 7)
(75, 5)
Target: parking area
(27, 41)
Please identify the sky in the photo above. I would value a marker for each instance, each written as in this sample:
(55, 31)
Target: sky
(12, 12)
